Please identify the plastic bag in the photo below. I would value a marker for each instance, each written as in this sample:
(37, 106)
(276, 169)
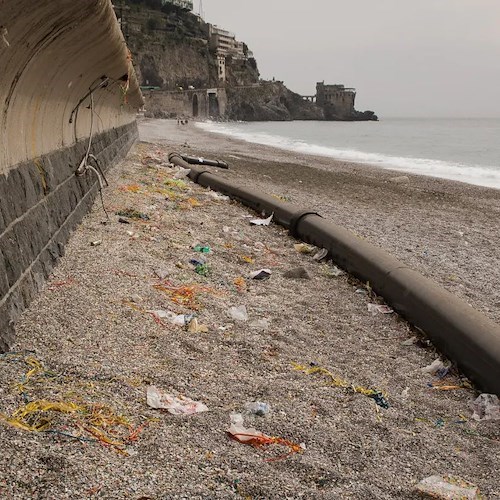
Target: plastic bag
(486, 407)
(238, 313)
(447, 488)
(177, 405)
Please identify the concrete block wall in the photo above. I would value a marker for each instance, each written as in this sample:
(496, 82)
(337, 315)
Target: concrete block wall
(53, 57)
(41, 203)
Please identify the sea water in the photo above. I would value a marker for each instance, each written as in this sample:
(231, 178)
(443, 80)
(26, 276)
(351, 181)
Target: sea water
(466, 150)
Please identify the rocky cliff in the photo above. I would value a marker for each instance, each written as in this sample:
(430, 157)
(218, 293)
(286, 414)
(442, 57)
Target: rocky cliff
(269, 101)
(171, 52)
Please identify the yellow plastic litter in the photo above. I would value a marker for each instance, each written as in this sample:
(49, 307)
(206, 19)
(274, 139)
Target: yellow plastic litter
(29, 417)
(176, 183)
(36, 369)
(72, 419)
(247, 259)
(240, 284)
(193, 202)
(133, 188)
(374, 394)
(195, 327)
(303, 248)
(186, 296)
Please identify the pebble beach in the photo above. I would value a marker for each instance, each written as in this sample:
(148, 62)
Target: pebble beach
(351, 412)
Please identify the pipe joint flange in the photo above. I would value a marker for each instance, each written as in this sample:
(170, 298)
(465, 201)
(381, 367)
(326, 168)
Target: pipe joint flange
(296, 218)
(195, 174)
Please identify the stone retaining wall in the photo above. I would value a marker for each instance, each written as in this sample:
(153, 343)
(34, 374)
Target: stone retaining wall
(41, 203)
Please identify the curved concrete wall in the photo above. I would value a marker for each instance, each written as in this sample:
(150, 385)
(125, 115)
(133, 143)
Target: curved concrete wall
(51, 53)
(57, 49)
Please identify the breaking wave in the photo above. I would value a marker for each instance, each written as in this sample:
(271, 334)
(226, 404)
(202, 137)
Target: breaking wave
(480, 175)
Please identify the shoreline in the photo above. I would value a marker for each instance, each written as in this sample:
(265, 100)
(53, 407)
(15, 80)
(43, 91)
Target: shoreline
(446, 230)
(383, 164)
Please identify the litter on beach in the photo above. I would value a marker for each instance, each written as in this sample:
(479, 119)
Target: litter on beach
(447, 488)
(173, 318)
(486, 407)
(238, 313)
(303, 248)
(262, 222)
(379, 308)
(261, 274)
(331, 271)
(196, 327)
(375, 394)
(437, 367)
(176, 405)
(257, 439)
(320, 255)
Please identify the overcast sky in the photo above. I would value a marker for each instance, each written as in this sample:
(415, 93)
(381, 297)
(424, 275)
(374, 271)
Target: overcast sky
(405, 57)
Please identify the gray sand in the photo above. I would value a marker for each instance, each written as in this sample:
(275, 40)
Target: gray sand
(89, 328)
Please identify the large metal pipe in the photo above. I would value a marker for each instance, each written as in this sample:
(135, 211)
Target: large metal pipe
(462, 333)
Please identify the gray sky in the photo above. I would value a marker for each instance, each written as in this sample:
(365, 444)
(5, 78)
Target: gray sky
(405, 57)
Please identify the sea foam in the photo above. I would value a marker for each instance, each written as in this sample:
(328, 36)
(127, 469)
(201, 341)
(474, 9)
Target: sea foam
(480, 175)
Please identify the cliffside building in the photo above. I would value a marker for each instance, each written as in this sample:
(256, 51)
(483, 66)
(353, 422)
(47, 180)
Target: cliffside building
(225, 45)
(224, 42)
(336, 100)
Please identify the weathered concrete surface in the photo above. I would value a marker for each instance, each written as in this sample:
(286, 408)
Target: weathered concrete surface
(53, 53)
(58, 49)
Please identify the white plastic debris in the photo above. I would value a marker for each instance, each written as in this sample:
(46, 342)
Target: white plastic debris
(217, 196)
(177, 405)
(260, 324)
(379, 308)
(436, 366)
(3, 35)
(171, 317)
(333, 271)
(238, 313)
(257, 408)
(261, 274)
(447, 488)
(239, 431)
(410, 341)
(262, 222)
(320, 255)
(486, 407)
(182, 173)
(95, 243)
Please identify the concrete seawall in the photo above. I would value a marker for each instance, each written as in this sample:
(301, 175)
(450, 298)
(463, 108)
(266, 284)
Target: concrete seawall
(66, 79)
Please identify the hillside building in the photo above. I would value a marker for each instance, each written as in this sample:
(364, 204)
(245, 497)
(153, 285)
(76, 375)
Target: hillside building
(224, 42)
